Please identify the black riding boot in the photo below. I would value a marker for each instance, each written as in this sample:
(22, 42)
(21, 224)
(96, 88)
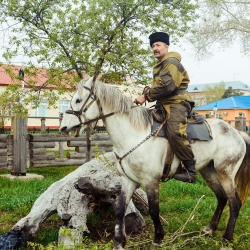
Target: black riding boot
(189, 174)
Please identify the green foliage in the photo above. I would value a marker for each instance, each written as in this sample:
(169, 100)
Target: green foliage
(179, 203)
(73, 37)
(215, 93)
(231, 92)
(220, 26)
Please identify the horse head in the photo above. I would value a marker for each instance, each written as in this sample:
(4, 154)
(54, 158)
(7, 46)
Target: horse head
(84, 108)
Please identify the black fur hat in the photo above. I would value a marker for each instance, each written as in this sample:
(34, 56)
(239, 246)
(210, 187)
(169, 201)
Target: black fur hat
(159, 37)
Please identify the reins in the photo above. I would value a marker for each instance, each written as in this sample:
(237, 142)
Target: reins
(154, 133)
(85, 107)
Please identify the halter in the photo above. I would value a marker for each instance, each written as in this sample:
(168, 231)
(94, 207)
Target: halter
(85, 107)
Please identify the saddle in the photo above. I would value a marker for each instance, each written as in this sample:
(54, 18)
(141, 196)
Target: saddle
(197, 127)
(197, 130)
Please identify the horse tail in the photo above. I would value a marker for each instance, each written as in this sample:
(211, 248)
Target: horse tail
(242, 178)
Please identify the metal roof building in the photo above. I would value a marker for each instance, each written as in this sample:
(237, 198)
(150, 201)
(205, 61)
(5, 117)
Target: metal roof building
(234, 102)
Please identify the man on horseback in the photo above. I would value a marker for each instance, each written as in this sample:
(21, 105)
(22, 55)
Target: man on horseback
(170, 81)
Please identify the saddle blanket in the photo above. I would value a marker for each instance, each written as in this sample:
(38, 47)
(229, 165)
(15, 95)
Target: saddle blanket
(195, 131)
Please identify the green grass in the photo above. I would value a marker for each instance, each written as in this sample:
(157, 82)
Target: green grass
(56, 152)
(177, 202)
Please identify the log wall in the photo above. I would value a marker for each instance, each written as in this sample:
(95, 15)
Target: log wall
(7, 151)
(39, 144)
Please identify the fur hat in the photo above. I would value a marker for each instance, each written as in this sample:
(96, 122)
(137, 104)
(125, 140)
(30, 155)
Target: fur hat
(159, 37)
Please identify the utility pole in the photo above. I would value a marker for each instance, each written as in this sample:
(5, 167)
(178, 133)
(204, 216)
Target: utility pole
(235, 75)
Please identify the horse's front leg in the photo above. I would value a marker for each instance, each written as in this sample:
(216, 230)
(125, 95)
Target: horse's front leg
(127, 189)
(152, 191)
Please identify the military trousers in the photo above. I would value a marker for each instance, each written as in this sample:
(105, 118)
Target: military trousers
(176, 127)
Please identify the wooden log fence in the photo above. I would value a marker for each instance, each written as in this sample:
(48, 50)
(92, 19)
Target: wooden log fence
(20, 150)
(6, 151)
(36, 147)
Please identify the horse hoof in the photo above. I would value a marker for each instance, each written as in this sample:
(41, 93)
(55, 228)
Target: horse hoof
(155, 245)
(207, 230)
(227, 239)
(118, 248)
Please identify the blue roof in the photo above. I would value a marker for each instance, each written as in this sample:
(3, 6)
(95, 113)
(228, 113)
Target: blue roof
(236, 85)
(238, 102)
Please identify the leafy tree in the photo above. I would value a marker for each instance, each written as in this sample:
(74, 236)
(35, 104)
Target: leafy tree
(223, 23)
(231, 92)
(213, 94)
(70, 37)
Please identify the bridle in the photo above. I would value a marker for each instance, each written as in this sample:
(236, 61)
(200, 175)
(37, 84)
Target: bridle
(86, 106)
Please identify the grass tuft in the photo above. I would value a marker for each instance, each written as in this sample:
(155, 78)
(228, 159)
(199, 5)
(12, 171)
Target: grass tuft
(178, 201)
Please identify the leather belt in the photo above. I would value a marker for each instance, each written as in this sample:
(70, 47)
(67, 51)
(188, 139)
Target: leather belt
(179, 91)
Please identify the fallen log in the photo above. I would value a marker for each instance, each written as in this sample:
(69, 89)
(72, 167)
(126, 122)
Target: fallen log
(73, 201)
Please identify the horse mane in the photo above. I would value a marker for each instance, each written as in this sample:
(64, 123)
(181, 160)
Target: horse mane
(115, 101)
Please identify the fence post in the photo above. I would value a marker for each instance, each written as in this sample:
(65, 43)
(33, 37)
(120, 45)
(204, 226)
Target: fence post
(19, 130)
(60, 142)
(43, 127)
(88, 146)
(1, 126)
(240, 122)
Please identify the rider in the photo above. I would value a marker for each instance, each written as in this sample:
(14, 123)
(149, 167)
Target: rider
(170, 81)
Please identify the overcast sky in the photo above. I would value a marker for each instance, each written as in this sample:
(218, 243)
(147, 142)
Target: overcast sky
(228, 65)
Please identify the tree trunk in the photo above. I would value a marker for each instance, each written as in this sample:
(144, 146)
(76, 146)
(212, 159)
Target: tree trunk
(75, 196)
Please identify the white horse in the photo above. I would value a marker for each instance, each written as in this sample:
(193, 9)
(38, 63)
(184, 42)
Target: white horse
(140, 157)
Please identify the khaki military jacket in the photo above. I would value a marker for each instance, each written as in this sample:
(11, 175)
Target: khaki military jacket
(170, 81)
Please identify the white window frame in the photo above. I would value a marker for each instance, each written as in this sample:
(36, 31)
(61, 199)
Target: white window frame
(63, 105)
(42, 110)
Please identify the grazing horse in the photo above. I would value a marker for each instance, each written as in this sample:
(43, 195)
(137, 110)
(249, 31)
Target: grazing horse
(140, 156)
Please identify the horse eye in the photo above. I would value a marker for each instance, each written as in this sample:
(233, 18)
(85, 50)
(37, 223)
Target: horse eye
(78, 101)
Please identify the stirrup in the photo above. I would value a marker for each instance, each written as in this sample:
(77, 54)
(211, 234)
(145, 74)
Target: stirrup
(185, 177)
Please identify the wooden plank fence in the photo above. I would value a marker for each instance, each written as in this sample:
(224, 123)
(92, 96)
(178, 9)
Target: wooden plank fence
(38, 145)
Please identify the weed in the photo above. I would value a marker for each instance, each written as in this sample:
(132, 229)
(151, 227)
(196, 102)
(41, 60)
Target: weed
(180, 205)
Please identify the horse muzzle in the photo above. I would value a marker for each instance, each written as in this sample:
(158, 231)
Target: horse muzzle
(77, 130)
(65, 130)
